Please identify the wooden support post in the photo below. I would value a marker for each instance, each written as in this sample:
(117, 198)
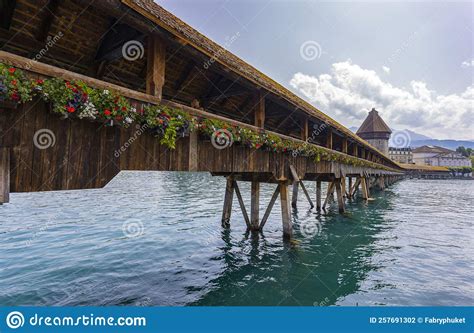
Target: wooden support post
(193, 151)
(344, 145)
(355, 152)
(329, 138)
(294, 197)
(255, 206)
(156, 58)
(270, 206)
(355, 188)
(318, 195)
(4, 175)
(367, 181)
(285, 211)
(298, 182)
(305, 129)
(349, 194)
(242, 205)
(228, 198)
(329, 194)
(343, 185)
(340, 198)
(260, 110)
(365, 192)
(306, 194)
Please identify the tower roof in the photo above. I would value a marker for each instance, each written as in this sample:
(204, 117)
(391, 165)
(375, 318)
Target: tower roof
(374, 124)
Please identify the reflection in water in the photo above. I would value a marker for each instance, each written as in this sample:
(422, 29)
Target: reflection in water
(411, 246)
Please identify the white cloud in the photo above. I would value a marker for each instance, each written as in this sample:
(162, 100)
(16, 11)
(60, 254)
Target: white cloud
(466, 64)
(349, 91)
(386, 69)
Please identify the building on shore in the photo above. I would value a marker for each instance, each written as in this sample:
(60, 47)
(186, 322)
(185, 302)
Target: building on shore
(375, 131)
(401, 155)
(439, 156)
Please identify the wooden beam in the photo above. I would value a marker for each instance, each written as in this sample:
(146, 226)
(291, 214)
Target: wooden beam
(344, 145)
(305, 129)
(228, 198)
(270, 206)
(260, 110)
(318, 195)
(365, 191)
(285, 211)
(306, 194)
(4, 175)
(329, 194)
(193, 151)
(340, 197)
(7, 8)
(48, 14)
(255, 206)
(294, 197)
(329, 136)
(349, 193)
(156, 58)
(242, 205)
(355, 150)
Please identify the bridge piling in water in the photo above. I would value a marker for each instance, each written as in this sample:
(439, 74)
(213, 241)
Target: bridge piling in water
(4, 175)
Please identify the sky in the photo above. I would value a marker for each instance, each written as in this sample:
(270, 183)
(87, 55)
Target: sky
(412, 61)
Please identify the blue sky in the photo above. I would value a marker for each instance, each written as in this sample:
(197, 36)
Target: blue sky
(411, 60)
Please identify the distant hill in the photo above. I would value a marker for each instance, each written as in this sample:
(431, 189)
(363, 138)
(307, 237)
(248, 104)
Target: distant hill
(418, 140)
(449, 144)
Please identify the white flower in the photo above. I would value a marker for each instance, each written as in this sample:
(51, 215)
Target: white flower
(88, 111)
(128, 120)
(133, 109)
(106, 92)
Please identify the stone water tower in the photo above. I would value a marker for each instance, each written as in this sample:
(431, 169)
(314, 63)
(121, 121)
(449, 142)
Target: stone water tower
(375, 131)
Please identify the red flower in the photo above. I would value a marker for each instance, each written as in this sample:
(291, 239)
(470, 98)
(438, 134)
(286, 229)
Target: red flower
(107, 112)
(39, 81)
(14, 82)
(70, 109)
(12, 70)
(118, 118)
(15, 96)
(124, 108)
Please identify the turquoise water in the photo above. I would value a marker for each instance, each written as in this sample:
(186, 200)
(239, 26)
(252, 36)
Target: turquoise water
(154, 238)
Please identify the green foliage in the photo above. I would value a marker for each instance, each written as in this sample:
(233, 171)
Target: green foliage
(466, 152)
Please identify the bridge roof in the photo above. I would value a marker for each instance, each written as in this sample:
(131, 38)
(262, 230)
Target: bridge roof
(166, 20)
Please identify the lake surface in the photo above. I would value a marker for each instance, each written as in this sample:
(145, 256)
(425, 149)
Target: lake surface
(154, 238)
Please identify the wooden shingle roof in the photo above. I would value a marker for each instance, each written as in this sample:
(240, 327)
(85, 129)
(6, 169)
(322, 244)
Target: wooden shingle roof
(166, 20)
(373, 124)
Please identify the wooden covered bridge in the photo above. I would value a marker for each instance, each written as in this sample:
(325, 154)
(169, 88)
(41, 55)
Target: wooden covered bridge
(90, 88)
